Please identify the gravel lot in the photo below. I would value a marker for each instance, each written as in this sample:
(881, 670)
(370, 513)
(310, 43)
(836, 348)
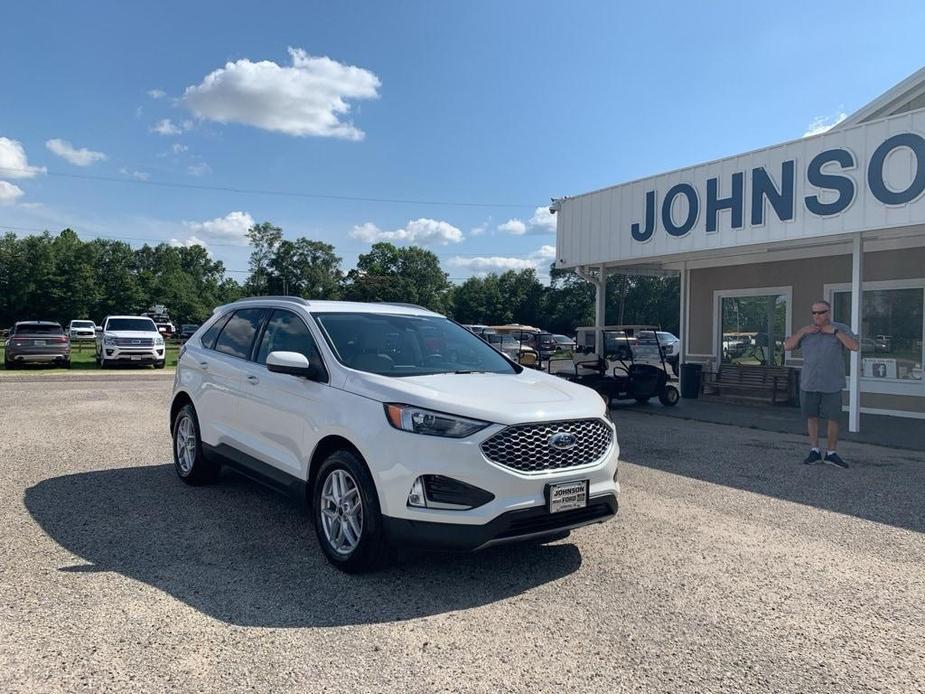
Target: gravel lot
(730, 568)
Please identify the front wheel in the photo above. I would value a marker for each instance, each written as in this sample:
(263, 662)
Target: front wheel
(188, 459)
(669, 396)
(345, 510)
(159, 364)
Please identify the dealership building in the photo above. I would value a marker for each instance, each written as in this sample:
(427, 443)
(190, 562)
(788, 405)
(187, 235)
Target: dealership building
(758, 237)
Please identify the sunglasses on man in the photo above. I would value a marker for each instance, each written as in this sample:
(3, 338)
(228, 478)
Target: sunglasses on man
(820, 313)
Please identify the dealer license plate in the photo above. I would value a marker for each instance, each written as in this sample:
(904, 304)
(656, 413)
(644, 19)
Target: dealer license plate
(135, 358)
(567, 496)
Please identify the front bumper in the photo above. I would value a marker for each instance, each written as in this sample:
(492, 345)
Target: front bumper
(531, 524)
(135, 355)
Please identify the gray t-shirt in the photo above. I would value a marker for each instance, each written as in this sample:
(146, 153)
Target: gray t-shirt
(823, 361)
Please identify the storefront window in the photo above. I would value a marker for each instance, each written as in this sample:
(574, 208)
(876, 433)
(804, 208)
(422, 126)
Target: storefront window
(749, 325)
(891, 332)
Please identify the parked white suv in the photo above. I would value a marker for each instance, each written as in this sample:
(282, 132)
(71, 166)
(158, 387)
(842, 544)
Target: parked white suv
(81, 330)
(130, 339)
(396, 426)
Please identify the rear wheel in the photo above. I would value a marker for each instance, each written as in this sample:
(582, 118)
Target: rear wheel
(669, 396)
(188, 459)
(345, 510)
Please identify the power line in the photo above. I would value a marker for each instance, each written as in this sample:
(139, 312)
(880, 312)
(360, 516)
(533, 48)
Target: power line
(210, 244)
(265, 191)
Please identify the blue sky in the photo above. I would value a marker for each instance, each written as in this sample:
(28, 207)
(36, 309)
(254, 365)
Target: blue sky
(502, 104)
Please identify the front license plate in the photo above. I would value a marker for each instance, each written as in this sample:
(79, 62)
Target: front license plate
(567, 496)
(135, 358)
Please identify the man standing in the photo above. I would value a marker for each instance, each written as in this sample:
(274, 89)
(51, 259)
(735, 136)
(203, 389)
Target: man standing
(822, 378)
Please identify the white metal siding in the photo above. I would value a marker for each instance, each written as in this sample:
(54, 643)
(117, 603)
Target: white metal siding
(595, 228)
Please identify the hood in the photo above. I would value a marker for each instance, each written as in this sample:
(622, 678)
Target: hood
(530, 396)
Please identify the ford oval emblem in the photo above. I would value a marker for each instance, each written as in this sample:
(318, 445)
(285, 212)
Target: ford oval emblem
(563, 441)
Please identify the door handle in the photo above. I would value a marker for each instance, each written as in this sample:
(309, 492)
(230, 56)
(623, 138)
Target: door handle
(204, 364)
(253, 380)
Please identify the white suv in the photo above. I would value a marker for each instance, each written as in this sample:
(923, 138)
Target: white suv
(396, 425)
(130, 339)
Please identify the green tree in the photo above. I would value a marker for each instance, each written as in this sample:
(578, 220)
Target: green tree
(264, 239)
(305, 268)
(406, 275)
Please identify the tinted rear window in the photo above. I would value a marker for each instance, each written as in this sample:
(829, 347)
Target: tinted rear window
(208, 337)
(237, 337)
(39, 329)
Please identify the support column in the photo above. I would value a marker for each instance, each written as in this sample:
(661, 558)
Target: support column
(682, 322)
(857, 303)
(600, 306)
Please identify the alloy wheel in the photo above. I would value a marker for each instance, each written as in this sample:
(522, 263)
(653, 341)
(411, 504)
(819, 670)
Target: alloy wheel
(341, 512)
(186, 445)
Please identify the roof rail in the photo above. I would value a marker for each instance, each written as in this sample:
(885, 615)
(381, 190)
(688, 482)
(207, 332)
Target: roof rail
(406, 305)
(294, 299)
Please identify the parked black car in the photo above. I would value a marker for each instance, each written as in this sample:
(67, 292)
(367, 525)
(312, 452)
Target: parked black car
(187, 330)
(37, 341)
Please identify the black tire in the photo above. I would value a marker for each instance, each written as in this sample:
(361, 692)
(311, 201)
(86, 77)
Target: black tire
(67, 364)
(371, 550)
(159, 364)
(641, 400)
(200, 470)
(10, 365)
(669, 396)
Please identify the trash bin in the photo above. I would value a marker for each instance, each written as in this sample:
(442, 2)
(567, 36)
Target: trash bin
(690, 380)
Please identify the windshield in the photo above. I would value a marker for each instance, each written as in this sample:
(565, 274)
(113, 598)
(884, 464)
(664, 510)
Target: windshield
(395, 345)
(39, 329)
(141, 324)
(82, 324)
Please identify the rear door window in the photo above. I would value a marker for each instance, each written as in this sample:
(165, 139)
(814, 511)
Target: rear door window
(237, 337)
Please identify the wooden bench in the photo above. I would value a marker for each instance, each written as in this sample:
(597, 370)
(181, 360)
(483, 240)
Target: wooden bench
(775, 384)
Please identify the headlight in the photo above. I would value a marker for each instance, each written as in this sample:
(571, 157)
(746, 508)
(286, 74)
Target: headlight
(421, 421)
(107, 340)
(159, 340)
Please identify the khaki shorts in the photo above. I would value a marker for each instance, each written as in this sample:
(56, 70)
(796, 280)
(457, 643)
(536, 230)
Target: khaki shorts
(816, 404)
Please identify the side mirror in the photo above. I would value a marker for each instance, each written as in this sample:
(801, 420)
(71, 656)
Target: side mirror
(292, 363)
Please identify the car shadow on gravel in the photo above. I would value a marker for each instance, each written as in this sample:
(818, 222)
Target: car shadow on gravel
(882, 485)
(247, 556)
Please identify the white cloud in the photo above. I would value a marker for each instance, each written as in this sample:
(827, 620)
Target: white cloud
(423, 232)
(307, 98)
(513, 226)
(198, 169)
(178, 148)
(477, 231)
(157, 93)
(77, 157)
(543, 221)
(9, 193)
(167, 127)
(232, 228)
(13, 162)
(821, 124)
(189, 243)
(137, 175)
(539, 260)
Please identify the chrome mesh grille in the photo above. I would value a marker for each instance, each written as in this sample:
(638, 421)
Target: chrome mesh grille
(134, 342)
(525, 447)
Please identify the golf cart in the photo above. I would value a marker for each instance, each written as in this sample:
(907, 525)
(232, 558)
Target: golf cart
(633, 365)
